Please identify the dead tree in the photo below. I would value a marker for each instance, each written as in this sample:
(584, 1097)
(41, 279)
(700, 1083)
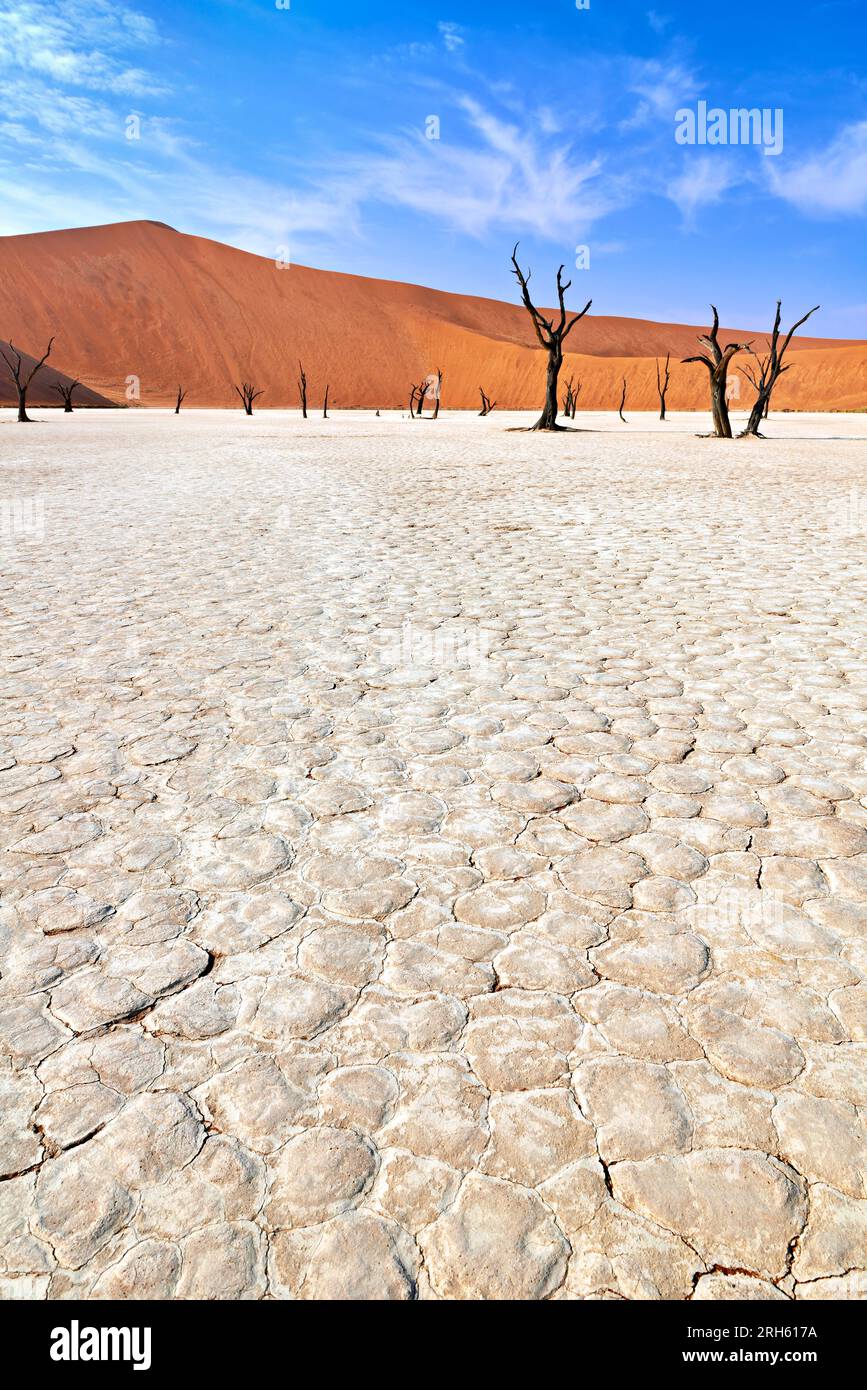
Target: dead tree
(551, 337)
(769, 370)
(428, 388)
(64, 390)
(487, 404)
(622, 402)
(182, 396)
(662, 385)
(248, 395)
(569, 402)
(325, 406)
(575, 394)
(438, 391)
(717, 360)
(416, 396)
(302, 390)
(22, 380)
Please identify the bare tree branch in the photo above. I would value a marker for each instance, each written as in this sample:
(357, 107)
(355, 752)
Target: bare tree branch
(770, 369)
(551, 338)
(22, 382)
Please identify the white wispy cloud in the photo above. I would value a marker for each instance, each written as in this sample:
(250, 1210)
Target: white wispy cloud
(705, 180)
(496, 173)
(833, 180)
(658, 22)
(79, 43)
(661, 87)
(452, 35)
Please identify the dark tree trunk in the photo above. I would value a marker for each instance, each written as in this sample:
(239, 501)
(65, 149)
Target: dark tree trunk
(23, 382)
(325, 407)
(717, 361)
(64, 391)
(722, 425)
(302, 390)
(769, 371)
(758, 413)
(662, 385)
(622, 402)
(548, 419)
(551, 337)
(248, 394)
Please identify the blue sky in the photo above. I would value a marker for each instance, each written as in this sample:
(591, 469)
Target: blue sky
(305, 128)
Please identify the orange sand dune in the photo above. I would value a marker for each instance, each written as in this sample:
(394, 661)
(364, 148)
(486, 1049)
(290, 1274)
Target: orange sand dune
(140, 300)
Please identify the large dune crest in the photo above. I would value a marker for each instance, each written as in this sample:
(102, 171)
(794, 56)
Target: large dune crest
(140, 307)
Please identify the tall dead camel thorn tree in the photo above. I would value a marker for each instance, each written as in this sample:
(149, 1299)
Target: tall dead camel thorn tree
(717, 360)
(22, 382)
(302, 390)
(487, 404)
(248, 395)
(662, 385)
(770, 369)
(622, 402)
(64, 390)
(551, 337)
(182, 396)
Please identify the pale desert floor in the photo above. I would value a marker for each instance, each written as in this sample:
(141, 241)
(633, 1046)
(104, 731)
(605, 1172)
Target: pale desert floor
(435, 859)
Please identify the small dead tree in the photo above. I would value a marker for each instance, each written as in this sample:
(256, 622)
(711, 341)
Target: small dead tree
(23, 378)
(487, 404)
(438, 392)
(248, 395)
(325, 406)
(569, 402)
(717, 360)
(182, 396)
(416, 396)
(64, 390)
(551, 337)
(302, 390)
(769, 370)
(662, 385)
(575, 394)
(622, 402)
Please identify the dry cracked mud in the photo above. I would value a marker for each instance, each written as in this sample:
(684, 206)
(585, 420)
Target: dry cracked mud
(434, 860)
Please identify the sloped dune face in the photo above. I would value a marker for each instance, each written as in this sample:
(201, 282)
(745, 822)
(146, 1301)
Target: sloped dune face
(139, 308)
(43, 389)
